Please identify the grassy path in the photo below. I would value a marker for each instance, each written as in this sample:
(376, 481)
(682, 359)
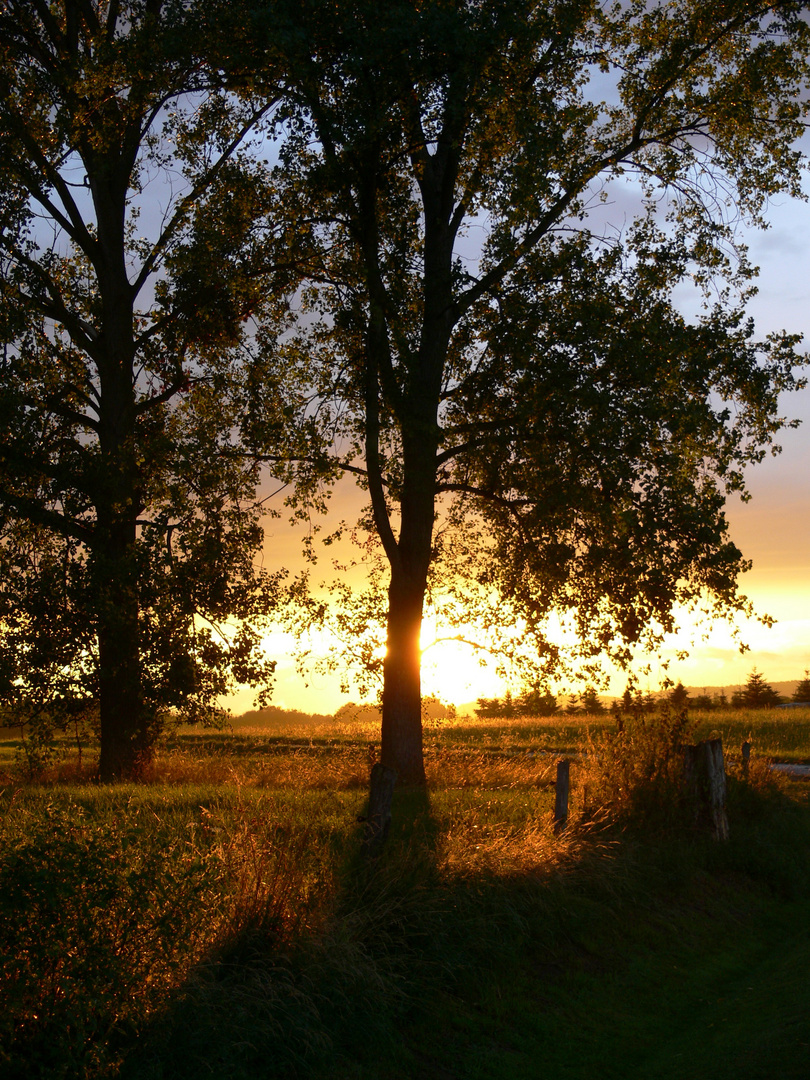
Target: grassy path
(676, 969)
(735, 1007)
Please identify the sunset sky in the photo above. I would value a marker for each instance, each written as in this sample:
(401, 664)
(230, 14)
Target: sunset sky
(772, 530)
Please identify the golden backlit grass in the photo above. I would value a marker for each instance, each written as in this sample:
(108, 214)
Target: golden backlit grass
(459, 753)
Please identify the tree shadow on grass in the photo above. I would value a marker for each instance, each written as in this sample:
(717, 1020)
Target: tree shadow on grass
(266, 1005)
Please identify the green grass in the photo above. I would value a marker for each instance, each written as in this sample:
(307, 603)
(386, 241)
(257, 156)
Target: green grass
(783, 735)
(219, 921)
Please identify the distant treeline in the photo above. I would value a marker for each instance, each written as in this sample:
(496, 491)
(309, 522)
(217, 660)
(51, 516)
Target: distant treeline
(755, 694)
(273, 716)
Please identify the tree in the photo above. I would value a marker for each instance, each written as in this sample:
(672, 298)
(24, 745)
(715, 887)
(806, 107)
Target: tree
(590, 703)
(756, 694)
(491, 349)
(535, 702)
(802, 691)
(679, 696)
(488, 708)
(530, 703)
(705, 702)
(128, 515)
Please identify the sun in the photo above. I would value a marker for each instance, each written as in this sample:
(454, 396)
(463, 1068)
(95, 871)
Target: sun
(455, 671)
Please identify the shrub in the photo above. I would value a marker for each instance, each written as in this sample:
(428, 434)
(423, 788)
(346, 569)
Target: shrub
(95, 921)
(638, 766)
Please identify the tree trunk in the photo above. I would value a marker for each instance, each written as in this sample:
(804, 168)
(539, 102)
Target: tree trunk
(409, 558)
(126, 738)
(411, 554)
(402, 690)
(127, 733)
(126, 746)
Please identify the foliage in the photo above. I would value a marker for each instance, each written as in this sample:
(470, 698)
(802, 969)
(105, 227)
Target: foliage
(678, 697)
(638, 768)
(501, 365)
(273, 716)
(169, 929)
(531, 702)
(589, 702)
(704, 702)
(129, 519)
(95, 919)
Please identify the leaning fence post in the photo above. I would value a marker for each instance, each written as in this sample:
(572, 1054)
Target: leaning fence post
(380, 797)
(716, 785)
(706, 785)
(746, 758)
(561, 794)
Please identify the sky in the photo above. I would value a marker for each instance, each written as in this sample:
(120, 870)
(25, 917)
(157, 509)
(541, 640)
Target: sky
(772, 530)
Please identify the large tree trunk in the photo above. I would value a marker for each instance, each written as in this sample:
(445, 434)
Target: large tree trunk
(126, 746)
(417, 409)
(126, 738)
(126, 728)
(127, 733)
(402, 689)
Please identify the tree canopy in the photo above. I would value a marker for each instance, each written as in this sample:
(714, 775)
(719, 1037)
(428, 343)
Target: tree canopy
(502, 363)
(128, 516)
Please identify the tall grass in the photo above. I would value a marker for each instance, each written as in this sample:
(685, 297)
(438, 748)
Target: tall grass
(108, 898)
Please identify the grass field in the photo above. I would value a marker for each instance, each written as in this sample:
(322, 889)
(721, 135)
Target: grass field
(219, 920)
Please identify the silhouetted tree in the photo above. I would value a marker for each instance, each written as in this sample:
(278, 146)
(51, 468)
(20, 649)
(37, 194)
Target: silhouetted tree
(756, 694)
(488, 708)
(536, 703)
(590, 703)
(487, 346)
(128, 514)
(703, 701)
(679, 696)
(802, 691)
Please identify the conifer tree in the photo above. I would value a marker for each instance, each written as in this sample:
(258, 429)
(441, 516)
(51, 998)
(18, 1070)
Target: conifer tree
(802, 691)
(758, 694)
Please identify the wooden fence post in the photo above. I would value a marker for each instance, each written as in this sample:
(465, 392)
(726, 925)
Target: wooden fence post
(380, 797)
(561, 794)
(705, 781)
(746, 758)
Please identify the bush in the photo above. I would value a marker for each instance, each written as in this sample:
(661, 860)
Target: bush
(94, 923)
(638, 767)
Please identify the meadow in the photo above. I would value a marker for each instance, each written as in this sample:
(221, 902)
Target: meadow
(219, 919)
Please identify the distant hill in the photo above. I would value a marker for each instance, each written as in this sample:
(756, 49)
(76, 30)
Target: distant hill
(274, 717)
